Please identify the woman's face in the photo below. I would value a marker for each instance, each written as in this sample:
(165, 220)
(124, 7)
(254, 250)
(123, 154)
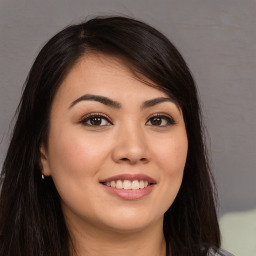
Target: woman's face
(117, 147)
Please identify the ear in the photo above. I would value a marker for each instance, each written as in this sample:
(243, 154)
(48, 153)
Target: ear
(44, 162)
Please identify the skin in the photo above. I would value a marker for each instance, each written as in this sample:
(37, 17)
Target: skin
(126, 140)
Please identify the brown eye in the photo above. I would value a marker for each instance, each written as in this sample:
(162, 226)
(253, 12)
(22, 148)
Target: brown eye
(95, 120)
(156, 121)
(160, 120)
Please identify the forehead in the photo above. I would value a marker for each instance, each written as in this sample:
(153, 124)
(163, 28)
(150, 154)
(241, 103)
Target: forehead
(104, 66)
(106, 74)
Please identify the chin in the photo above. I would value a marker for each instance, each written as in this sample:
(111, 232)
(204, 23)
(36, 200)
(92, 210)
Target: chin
(132, 222)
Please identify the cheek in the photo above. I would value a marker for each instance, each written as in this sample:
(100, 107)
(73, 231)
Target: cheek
(171, 159)
(74, 163)
(172, 155)
(74, 154)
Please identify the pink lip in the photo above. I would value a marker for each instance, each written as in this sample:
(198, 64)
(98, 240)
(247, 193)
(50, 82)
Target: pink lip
(129, 194)
(129, 177)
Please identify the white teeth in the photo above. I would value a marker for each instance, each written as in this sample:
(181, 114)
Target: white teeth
(119, 184)
(142, 185)
(127, 184)
(135, 184)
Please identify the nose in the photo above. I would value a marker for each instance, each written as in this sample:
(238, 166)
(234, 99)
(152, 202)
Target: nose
(131, 147)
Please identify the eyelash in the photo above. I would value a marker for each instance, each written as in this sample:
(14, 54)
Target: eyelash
(90, 116)
(167, 118)
(101, 116)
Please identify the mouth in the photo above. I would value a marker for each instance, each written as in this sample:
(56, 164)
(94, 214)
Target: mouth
(129, 186)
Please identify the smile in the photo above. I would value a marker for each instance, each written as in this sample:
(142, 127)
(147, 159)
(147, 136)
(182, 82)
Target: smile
(127, 184)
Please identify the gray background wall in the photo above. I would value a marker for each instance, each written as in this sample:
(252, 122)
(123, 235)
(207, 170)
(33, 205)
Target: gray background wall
(217, 39)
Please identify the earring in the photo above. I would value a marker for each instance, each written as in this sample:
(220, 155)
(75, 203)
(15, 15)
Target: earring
(42, 177)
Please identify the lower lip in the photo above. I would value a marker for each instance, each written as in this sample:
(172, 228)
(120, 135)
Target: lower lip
(130, 194)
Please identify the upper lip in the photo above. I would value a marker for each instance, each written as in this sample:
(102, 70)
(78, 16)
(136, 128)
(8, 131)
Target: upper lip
(129, 177)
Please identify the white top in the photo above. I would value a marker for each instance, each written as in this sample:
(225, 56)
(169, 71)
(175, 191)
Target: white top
(220, 252)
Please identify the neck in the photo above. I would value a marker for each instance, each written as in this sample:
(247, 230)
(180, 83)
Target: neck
(89, 240)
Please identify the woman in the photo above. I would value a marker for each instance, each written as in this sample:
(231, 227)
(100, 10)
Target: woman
(107, 156)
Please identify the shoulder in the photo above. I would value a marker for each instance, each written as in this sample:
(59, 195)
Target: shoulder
(219, 252)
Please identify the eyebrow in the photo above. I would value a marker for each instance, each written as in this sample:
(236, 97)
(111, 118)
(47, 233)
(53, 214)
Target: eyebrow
(114, 104)
(104, 100)
(153, 102)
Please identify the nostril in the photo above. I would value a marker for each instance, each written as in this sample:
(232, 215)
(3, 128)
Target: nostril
(127, 159)
(133, 160)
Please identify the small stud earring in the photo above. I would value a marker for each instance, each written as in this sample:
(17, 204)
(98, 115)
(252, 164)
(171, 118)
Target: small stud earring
(42, 177)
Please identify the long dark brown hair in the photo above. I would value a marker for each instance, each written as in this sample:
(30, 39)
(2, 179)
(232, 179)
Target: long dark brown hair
(31, 219)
